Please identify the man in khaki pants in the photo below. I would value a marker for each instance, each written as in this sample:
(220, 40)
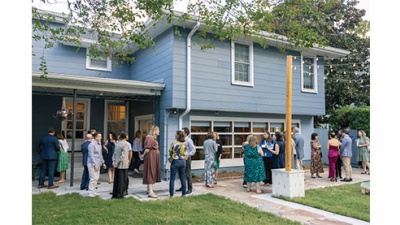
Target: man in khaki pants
(345, 154)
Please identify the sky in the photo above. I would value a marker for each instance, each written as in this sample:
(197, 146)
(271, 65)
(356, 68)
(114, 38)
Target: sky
(16, 109)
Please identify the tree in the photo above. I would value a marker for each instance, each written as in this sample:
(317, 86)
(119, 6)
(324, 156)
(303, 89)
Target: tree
(119, 26)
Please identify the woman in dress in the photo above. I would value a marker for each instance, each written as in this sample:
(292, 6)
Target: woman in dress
(254, 168)
(120, 162)
(363, 151)
(218, 155)
(151, 155)
(278, 152)
(316, 166)
(210, 148)
(109, 146)
(62, 165)
(333, 147)
(178, 165)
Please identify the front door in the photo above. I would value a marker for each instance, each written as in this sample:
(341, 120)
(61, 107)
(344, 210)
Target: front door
(82, 122)
(144, 123)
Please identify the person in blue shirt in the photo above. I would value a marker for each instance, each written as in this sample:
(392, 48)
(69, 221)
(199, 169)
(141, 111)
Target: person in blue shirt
(346, 154)
(267, 142)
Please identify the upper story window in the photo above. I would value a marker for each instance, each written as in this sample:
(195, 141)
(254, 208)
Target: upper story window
(97, 63)
(242, 64)
(309, 74)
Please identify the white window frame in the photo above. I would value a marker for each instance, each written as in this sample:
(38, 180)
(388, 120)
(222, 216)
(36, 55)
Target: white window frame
(90, 67)
(315, 90)
(250, 83)
(234, 161)
(107, 102)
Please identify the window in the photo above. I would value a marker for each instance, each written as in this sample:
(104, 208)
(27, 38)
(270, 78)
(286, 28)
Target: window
(242, 64)
(115, 117)
(97, 63)
(232, 132)
(309, 74)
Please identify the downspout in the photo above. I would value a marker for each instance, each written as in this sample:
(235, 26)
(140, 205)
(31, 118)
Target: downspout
(165, 144)
(188, 74)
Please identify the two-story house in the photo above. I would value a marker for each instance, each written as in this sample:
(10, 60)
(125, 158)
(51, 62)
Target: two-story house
(235, 89)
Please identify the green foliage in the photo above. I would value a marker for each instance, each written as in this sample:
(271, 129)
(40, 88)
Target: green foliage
(354, 117)
(333, 199)
(47, 208)
(119, 27)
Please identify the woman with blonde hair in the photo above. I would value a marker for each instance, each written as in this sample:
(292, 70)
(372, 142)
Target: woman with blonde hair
(363, 151)
(151, 155)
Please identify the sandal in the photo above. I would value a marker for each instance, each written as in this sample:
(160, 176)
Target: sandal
(365, 172)
(258, 191)
(209, 186)
(152, 195)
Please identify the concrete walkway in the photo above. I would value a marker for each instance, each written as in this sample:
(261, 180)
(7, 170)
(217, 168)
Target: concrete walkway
(233, 189)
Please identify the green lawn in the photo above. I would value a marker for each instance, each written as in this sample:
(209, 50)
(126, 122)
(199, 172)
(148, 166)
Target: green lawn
(346, 200)
(47, 208)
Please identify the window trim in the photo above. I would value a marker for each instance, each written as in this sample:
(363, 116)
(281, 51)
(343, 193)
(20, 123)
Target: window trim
(90, 67)
(315, 90)
(232, 133)
(251, 61)
(108, 102)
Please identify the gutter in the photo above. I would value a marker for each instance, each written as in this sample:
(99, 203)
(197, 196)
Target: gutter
(188, 74)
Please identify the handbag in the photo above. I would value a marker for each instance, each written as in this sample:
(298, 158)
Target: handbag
(170, 159)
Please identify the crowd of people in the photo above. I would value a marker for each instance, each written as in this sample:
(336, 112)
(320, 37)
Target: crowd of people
(260, 157)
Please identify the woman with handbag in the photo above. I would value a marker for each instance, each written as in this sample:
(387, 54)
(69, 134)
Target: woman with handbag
(363, 151)
(178, 162)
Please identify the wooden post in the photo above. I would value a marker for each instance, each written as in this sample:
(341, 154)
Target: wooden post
(288, 149)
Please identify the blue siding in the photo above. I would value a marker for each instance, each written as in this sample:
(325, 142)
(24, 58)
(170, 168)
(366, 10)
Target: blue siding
(72, 61)
(212, 88)
(156, 64)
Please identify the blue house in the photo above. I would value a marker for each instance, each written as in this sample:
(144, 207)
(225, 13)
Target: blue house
(235, 89)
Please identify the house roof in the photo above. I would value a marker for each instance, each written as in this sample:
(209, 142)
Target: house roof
(273, 39)
(162, 26)
(94, 86)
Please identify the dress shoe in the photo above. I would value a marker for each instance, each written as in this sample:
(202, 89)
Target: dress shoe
(346, 180)
(189, 192)
(42, 186)
(53, 187)
(180, 189)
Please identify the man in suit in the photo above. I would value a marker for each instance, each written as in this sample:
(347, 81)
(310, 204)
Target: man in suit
(346, 154)
(48, 149)
(299, 141)
(85, 149)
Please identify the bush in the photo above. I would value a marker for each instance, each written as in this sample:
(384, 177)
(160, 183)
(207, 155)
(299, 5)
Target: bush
(357, 118)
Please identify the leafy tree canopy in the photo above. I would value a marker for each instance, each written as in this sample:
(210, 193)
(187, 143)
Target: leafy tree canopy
(119, 26)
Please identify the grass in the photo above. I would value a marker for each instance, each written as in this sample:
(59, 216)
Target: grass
(48, 208)
(346, 200)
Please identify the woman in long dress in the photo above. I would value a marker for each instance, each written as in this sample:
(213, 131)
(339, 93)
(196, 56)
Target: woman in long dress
(316, 157)
(363, 151)
(210, 148)
(333, 147)
(62, 164)
(254, 168)
(151, 155)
